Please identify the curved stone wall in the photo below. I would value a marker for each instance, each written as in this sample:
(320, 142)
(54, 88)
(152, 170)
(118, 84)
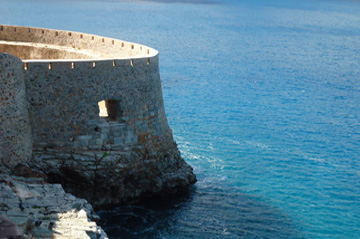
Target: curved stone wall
(15, 133)
(33, 40)
(64, 107)
(74, 73)
(109, 158)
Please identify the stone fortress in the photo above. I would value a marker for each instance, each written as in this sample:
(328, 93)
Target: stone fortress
(87, 112)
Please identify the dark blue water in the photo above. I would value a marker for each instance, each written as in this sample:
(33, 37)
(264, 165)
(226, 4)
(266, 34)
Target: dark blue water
(264, 101)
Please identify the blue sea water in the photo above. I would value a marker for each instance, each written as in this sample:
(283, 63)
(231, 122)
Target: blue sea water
(264, 101)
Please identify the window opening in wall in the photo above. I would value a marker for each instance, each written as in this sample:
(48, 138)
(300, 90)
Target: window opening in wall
(102, 109)
(110, 109)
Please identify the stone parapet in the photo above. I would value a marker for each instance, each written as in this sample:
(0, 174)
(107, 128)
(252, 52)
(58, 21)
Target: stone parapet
(30, 43)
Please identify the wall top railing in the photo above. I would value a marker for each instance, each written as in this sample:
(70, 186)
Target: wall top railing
(49, 46)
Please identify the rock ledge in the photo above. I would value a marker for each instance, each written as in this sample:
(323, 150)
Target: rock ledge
(32, 208)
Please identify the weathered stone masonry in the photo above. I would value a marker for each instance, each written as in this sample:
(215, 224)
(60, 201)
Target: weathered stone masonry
(15, 137)
(107, 160)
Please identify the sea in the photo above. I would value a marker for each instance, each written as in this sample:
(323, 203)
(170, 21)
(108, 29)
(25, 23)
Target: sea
(263, 97)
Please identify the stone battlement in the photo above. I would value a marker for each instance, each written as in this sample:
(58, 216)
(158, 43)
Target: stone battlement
(65, 94)
(34, 44)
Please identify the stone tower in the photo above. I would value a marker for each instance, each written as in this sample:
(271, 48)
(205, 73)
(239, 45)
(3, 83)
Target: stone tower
(88, 110)
(15, 137)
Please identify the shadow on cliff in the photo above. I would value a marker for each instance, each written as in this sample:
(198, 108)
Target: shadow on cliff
(201, 213)
(32, 208)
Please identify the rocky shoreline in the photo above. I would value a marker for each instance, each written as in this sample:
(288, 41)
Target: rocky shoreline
(32, 208)
(53, 194)
(109, 178)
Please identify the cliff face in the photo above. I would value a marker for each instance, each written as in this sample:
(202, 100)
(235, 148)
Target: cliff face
(98, 126)
(31, 208)
(118, 177)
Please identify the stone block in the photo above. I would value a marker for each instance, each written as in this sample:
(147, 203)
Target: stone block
(23, 192)
(76, 144)
(42, 232)
(118, 140)
(134, 139)
(128, 140)
(104, 137)
(99, 143)
(20, 220)
(84, 140)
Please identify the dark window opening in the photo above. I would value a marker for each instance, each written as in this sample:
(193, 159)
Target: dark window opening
(110, 109)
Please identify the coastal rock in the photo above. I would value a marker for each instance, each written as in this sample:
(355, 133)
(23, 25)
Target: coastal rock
(113, 177)
(31, 208)
(9, 229)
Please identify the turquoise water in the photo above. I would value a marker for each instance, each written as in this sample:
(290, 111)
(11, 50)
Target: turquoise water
(264, 101)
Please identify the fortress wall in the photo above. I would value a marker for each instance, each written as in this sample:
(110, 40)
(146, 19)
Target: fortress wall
(107, 160)
(64, 107)
(68, 73)
(97, 46)
(15, 137)
(40, 52)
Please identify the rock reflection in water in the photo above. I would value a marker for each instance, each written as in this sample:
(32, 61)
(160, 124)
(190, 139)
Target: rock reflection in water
(202, 213)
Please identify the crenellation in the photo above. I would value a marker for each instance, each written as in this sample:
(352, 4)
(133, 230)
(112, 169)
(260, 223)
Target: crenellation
(69, 41)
